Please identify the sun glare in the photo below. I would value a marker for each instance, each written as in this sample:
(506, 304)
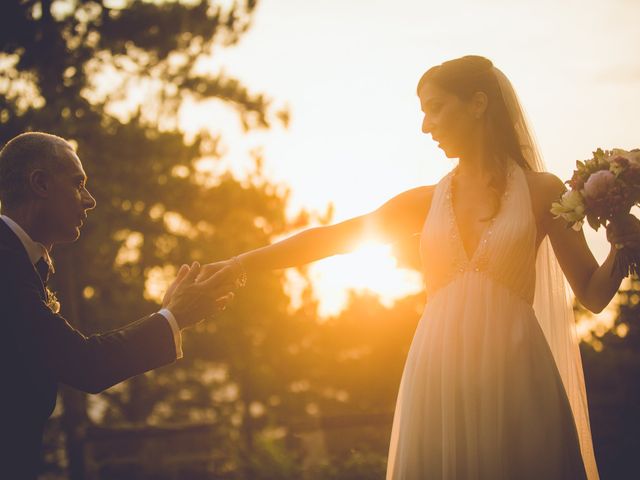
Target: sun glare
(371, 268)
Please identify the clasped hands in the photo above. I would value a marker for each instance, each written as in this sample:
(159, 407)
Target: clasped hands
(199, 292)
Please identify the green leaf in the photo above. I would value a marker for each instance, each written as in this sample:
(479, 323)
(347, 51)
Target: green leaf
(598, 154)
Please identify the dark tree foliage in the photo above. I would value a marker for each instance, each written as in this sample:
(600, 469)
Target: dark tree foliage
(259, 374)
(64, 65)
(612, 374)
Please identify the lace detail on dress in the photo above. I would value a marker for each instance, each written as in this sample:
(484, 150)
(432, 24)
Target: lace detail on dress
(478, 260)
(505, 251)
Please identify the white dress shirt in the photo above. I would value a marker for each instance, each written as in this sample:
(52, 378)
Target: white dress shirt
(36, 251)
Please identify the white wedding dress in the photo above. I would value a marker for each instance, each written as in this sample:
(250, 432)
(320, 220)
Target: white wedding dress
(481, 397)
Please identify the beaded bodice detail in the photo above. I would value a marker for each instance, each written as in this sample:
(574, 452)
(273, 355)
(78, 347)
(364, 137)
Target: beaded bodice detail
(506, 251)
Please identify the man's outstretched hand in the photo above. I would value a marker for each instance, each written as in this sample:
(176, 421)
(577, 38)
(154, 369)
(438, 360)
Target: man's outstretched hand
(190, 300)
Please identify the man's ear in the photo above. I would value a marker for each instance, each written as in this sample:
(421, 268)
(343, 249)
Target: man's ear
(479, 104)
(40, 183)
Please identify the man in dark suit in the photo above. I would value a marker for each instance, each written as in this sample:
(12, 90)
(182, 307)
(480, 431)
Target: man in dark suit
(44, 199)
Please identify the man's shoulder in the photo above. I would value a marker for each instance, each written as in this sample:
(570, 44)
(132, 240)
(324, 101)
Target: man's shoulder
(7, 256)
(11, 262)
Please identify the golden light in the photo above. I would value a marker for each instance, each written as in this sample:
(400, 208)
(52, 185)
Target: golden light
(157, 281)
(356, 141)
(371, 268)
(590, 327)
(129, 251)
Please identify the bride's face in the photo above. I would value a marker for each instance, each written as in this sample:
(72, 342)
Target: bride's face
(450, 120)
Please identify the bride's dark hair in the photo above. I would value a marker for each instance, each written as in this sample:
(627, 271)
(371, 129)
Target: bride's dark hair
(464, 77)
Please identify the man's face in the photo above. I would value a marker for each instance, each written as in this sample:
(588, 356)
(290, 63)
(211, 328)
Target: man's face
(68, 200)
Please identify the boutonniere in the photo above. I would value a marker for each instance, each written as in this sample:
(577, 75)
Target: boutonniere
(52, 301)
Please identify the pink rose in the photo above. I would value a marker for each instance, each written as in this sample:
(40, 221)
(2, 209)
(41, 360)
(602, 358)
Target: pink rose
(599, 183)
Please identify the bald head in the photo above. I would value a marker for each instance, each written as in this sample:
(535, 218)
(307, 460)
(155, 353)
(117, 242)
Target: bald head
(23, 154)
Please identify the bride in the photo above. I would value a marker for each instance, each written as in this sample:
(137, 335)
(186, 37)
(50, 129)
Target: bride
(493, 385)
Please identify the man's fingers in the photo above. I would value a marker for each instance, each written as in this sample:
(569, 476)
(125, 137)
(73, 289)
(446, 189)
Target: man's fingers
(226, 289)
(219, 291)
(184, 269)
(223, 302)
(191, 276)
(226, 298)
(228, 295)
(182, 272)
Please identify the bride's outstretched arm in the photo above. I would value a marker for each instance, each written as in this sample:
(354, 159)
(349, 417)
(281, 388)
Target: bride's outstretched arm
(397, 218)
(594, 285)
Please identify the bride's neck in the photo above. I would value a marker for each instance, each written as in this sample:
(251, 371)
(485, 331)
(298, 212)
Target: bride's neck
(472, 167)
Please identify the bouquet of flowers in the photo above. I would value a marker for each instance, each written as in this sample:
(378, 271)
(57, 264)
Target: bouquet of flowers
(603, 190)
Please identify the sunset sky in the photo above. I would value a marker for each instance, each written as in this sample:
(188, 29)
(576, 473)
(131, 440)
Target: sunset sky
(348, 69)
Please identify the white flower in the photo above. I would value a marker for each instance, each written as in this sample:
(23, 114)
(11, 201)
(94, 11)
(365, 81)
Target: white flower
(570, 208)
(572, 200)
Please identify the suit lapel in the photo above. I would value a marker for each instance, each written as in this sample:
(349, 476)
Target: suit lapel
(9, 240)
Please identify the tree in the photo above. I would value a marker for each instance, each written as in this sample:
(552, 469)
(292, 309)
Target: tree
(67, 66)
(611, 373)
(112, 75)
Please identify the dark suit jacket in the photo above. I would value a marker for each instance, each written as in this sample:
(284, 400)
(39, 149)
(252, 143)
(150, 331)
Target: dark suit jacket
(39, 349)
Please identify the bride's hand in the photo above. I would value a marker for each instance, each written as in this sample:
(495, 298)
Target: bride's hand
(624, 232)
(236, 266)
(209, 269)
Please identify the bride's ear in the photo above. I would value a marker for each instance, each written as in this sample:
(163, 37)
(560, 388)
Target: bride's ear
(479, 104)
